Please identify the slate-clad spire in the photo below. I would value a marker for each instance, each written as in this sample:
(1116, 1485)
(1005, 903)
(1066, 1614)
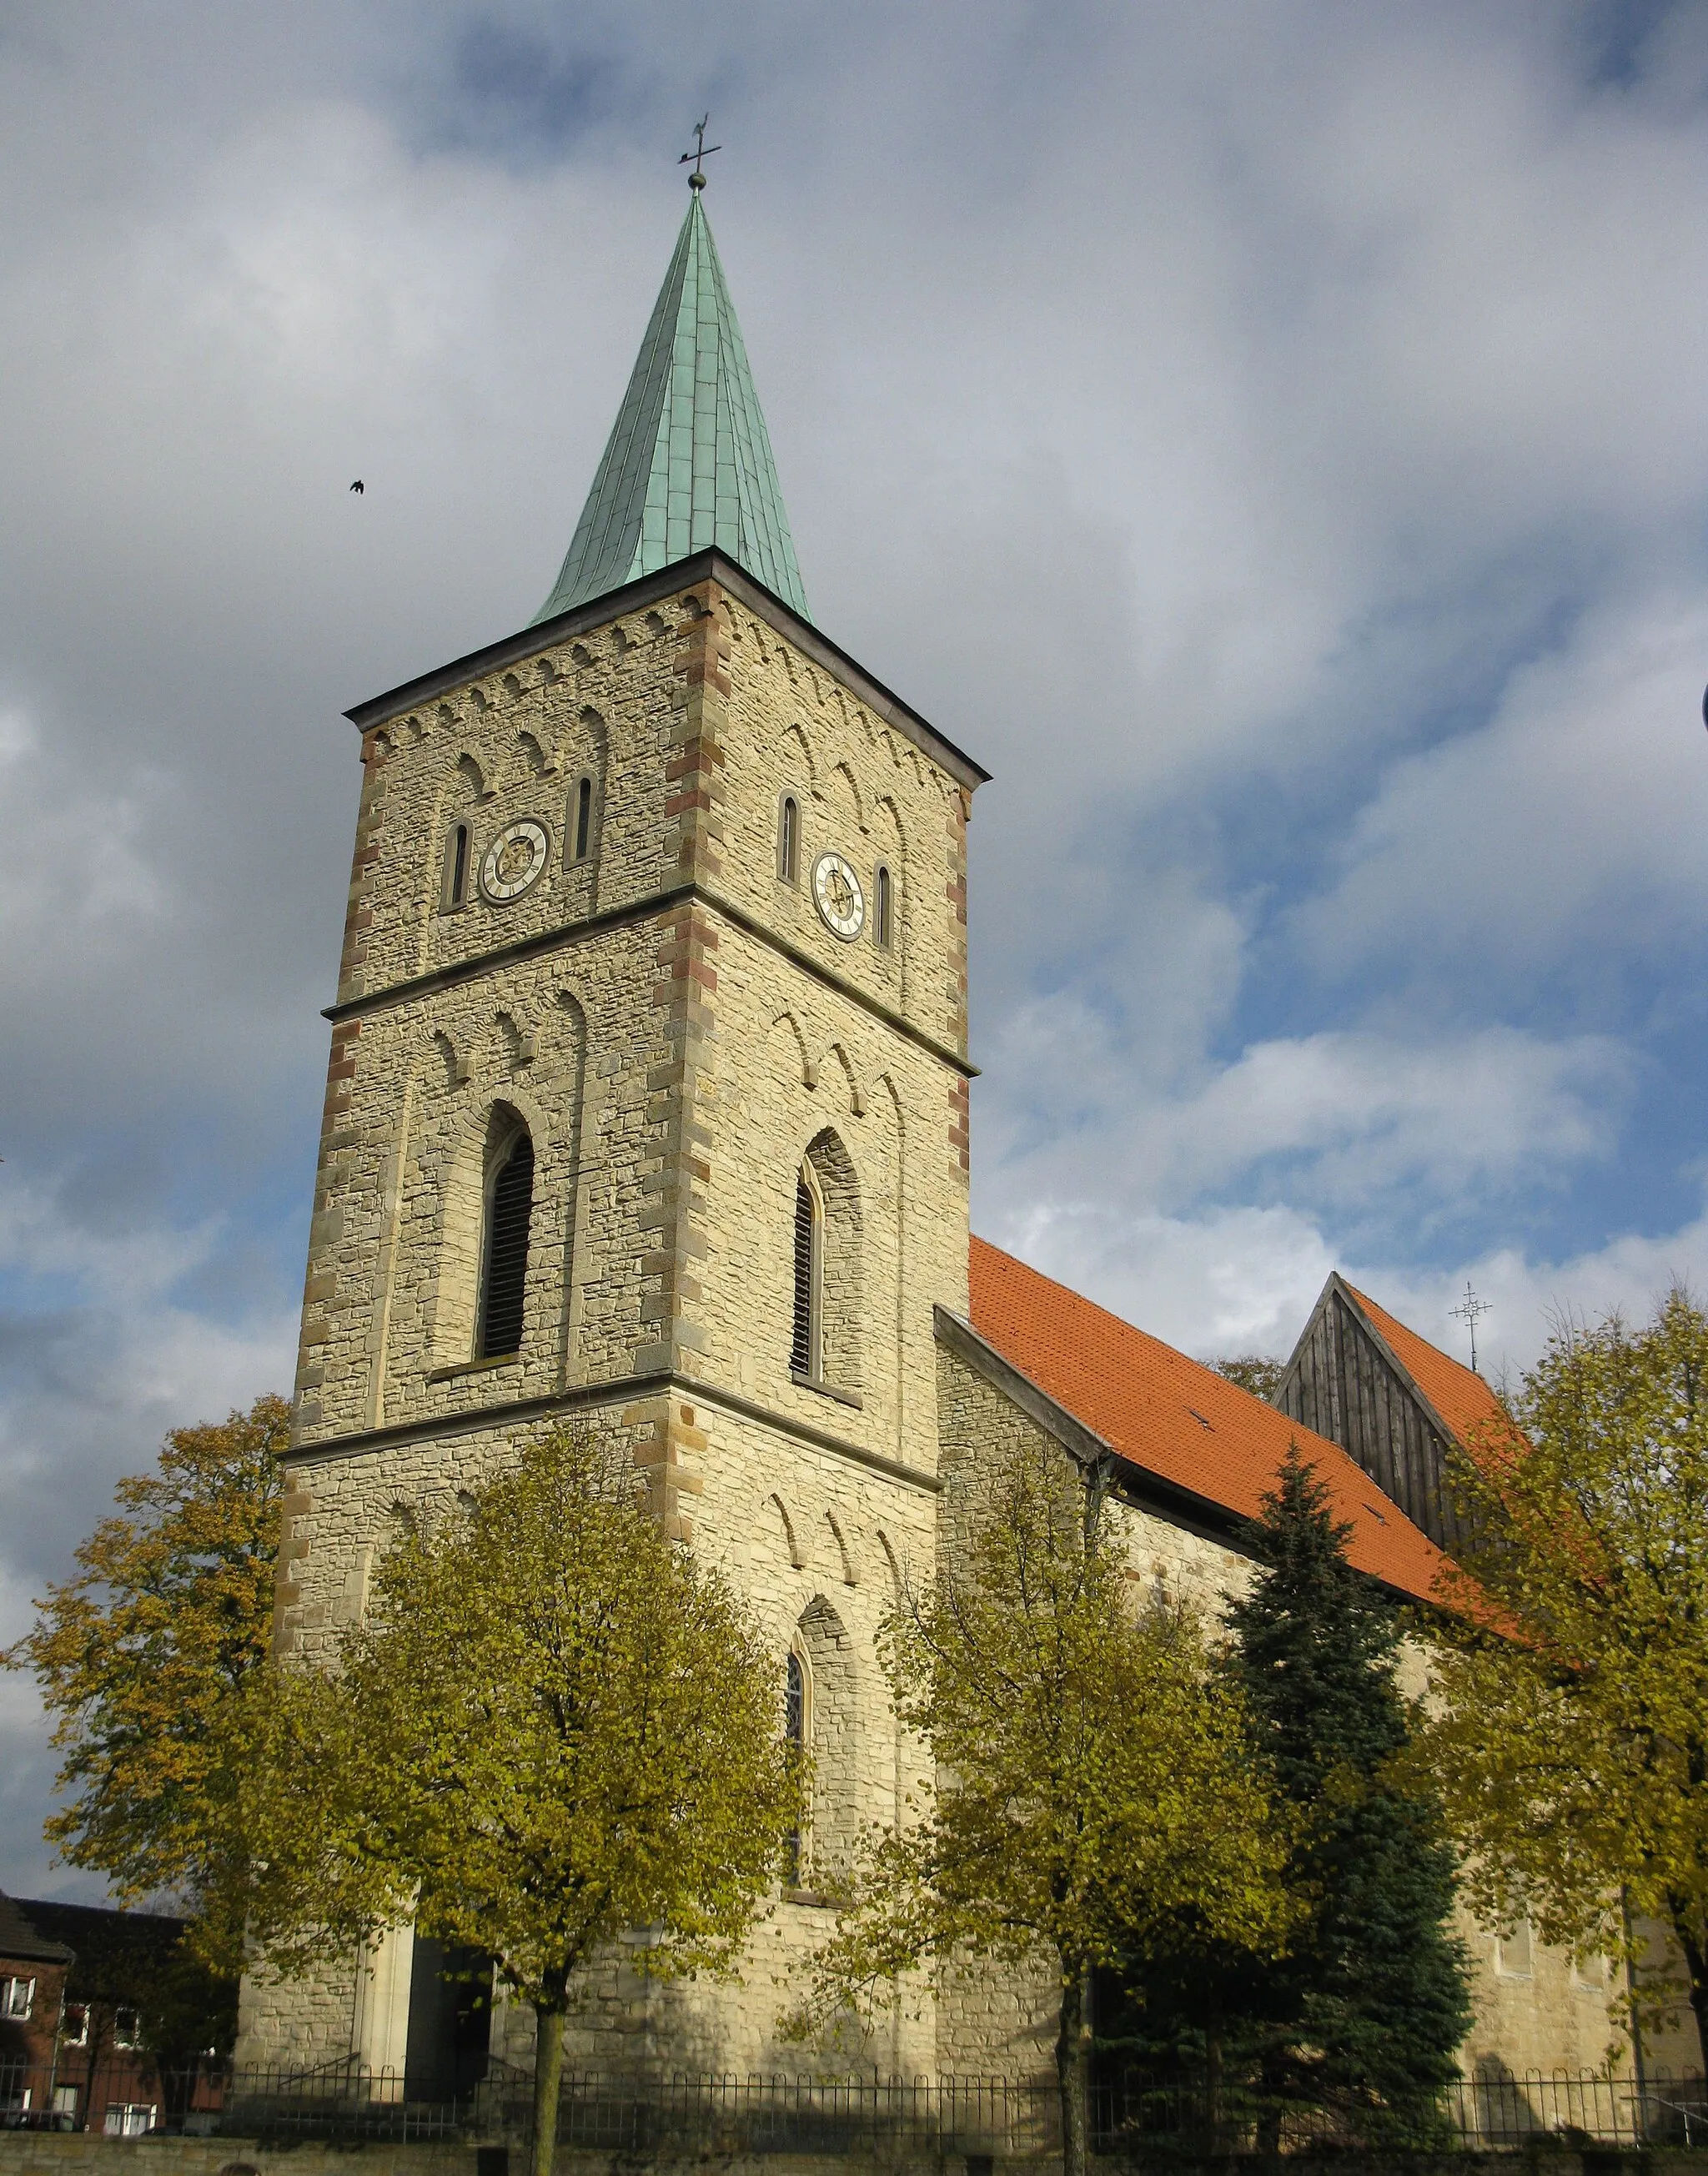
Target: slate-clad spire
(688, 463)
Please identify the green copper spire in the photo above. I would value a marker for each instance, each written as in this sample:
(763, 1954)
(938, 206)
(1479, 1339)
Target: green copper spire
(688, 463)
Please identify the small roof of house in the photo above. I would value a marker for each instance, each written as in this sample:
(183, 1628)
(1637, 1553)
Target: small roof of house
(1460, 1397)
(1175, 1418)
(20, 1941)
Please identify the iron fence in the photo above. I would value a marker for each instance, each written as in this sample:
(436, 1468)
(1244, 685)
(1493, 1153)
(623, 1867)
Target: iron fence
(1132, 2117)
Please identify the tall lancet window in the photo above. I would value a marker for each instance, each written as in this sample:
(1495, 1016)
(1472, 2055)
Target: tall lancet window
(788, 838)
(804, 1344)
(881, 909)
(504, 1256)
(795, 1734)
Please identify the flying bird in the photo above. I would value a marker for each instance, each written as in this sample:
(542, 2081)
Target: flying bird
(358, 485)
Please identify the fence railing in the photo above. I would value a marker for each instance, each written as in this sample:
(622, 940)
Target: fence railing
(1130, 2117)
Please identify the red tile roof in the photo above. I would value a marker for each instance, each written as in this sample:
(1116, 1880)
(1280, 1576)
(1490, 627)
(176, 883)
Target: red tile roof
(1177, 1419)
(1462, 1398)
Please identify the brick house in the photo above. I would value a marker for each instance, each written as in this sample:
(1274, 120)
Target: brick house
(32, 1972)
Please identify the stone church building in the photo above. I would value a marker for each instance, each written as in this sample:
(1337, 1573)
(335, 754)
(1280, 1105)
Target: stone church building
(648, 1103)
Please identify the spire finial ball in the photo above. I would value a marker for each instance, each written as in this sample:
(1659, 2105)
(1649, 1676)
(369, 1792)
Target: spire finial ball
(696, 181)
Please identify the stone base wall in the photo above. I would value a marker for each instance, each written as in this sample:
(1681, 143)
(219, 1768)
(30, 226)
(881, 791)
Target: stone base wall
(27, 2153)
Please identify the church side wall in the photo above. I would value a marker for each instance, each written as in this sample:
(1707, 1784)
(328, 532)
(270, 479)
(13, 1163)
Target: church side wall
(1532, 2009)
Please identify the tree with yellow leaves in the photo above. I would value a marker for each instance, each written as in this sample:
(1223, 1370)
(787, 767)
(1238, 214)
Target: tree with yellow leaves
(144, 1659)
(1570, 1742)
(1093, 1787)
(554, 1724)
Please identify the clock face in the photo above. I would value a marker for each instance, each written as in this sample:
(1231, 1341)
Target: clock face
(838, 897)
(513, 860)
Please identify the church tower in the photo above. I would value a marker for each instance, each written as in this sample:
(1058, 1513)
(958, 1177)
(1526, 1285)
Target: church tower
(647, 1102)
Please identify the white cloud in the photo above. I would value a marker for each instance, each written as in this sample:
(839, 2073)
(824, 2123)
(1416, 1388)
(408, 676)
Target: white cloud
(1361, 1122)
(1575, 821)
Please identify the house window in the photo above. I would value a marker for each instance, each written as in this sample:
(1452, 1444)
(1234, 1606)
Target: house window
(16, 1996)
(1513, 1953)
(581, 829)
(804, 1345)
(504, 1256)
(455, 888)
(880, 908)
(789, 840)
(74, 2030)
(127, 2028)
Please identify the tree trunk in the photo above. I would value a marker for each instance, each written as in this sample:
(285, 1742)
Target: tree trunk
(1696, 1961)
(1072, 2035)
(1212, 2093)
(549, 2074)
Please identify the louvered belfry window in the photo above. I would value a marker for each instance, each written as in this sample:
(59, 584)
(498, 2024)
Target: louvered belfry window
(584, 816)
(457, 867)
(510, 1208)
(803, 1348)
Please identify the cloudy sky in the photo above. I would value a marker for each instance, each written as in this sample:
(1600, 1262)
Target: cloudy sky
(1271, 437)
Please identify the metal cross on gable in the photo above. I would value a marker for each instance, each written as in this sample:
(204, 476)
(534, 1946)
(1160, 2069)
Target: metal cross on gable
(1467, 1312)
(701, 152)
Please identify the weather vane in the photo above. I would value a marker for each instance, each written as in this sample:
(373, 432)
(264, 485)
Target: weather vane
(1467, 1312)
(701, 152)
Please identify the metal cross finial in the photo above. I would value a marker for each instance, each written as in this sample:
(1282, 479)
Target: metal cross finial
(1467, 1311)
(701, 152)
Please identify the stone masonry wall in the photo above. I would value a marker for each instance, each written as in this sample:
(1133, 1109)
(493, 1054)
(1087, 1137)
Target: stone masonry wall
(675, 1024)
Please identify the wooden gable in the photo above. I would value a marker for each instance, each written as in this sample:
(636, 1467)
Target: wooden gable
(1346, 1381)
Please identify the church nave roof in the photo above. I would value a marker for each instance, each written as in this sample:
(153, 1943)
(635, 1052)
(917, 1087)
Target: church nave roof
(1175, 1418)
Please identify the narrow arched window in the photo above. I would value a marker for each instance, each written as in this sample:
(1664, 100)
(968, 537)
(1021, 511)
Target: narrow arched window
(789, 840)
(504, 1257)
(456, 876)
(804, 1345)
(795, 1735)
(794, 1703)
(880, 908)
(582, 832)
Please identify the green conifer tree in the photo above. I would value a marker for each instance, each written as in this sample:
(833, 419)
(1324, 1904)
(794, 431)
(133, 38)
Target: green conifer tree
(1366, 2013)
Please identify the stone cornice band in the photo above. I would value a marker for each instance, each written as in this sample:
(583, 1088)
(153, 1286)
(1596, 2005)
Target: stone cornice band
(617, 918)
(623, 1389)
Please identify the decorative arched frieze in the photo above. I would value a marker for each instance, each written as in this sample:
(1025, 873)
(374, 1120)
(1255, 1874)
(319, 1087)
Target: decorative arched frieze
(842, 778)
(798, 747)
(798, 1555)
(516, 1038)
(850, 1574)
(458, 1065)
(809, 1072)
(857, 1094)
